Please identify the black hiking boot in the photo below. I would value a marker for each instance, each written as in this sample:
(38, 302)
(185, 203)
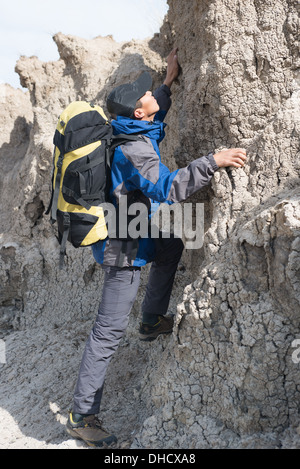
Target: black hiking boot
(89, 430)
(163, 326)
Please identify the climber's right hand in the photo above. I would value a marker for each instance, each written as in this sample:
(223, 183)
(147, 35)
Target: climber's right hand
(173, 67)
(234, 157)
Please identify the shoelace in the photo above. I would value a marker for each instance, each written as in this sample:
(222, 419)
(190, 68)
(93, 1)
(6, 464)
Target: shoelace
(94, 422)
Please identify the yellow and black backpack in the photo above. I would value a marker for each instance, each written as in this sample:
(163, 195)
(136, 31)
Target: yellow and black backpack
(83, 151)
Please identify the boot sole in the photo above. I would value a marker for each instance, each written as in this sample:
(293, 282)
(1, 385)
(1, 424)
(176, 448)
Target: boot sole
(94, 444)
(149, 338)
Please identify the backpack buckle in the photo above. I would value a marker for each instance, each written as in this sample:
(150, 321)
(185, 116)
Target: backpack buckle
(66, 220)
(60, 162)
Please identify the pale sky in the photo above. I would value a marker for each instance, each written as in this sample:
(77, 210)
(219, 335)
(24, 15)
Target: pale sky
(27, 26)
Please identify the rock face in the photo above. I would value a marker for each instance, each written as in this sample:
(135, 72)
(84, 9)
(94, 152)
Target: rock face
(229, 375)
(228, 378)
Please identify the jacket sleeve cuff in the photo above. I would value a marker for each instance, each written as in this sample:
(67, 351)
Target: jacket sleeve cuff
(166, 89)
(212, 161)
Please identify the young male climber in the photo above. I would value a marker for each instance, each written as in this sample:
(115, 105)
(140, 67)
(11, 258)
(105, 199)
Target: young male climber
(138, 174)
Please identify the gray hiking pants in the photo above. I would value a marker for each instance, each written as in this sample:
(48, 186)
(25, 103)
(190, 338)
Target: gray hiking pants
(119, 292)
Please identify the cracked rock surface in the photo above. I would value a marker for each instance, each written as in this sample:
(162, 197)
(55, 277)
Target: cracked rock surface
(227, 377)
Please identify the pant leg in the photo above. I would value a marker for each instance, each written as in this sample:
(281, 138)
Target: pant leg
(119, 292)
(161, 278)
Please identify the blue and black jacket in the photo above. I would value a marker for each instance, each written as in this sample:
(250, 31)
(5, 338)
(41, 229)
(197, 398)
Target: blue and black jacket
(137, 166)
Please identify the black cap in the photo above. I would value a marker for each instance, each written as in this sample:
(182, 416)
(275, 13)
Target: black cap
(122, 100)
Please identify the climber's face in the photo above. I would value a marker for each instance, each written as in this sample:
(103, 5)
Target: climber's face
(146, 107)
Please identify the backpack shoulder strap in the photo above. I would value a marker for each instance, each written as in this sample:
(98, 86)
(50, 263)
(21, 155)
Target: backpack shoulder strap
(116, 141)
(120, 139)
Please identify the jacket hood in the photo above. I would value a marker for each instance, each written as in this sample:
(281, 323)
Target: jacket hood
(126, 125)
